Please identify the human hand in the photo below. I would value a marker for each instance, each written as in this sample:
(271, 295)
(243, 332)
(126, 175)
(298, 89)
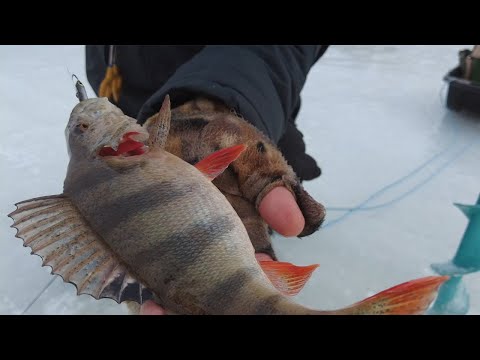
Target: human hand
(201, 127)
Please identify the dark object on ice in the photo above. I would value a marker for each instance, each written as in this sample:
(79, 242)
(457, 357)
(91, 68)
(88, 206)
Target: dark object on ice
(462, 93)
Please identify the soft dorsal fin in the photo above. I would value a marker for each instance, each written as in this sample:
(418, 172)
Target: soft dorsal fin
(289, 279)
(214, 164)
(56, 231)
(159, 126)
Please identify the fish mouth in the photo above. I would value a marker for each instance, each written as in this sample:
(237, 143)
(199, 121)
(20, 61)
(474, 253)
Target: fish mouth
(130, 144)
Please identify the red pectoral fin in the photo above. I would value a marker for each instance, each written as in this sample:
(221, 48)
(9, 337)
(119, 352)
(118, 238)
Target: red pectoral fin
(214, 164)
(287, 278)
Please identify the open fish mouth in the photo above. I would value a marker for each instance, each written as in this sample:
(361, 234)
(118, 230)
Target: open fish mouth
(131, 144)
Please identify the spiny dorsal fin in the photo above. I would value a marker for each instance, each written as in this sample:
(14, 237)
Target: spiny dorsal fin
(214, 164)
(159, 126)
(56, 231)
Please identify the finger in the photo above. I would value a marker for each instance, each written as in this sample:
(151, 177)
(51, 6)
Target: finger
(150, 308)
(280, 210)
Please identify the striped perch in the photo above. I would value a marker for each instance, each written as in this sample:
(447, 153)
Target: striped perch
(135, 222)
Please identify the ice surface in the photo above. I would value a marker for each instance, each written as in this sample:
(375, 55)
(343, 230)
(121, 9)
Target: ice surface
(371, 115)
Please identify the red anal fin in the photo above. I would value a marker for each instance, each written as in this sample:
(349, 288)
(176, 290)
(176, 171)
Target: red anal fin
(214, 164)
(287, 278)
(410, 298)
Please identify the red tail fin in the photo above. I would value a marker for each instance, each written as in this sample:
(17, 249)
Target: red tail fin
(410, 298)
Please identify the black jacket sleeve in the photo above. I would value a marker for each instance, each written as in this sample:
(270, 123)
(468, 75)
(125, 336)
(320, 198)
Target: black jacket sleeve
(262, 83)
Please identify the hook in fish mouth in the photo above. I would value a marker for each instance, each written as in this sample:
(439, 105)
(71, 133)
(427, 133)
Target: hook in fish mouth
(127, 146)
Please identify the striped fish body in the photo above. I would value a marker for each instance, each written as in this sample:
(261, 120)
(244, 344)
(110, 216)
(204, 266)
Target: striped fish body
(174, 229)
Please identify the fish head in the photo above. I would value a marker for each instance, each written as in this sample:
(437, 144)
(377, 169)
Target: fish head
(98, 128)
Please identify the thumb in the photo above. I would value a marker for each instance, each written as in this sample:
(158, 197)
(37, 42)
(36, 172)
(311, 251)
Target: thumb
(280, 210)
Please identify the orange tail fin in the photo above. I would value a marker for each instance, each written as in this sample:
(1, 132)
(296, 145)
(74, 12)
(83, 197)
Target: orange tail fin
(410, 298)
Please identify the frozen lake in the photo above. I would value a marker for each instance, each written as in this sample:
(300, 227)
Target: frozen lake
(371, 115)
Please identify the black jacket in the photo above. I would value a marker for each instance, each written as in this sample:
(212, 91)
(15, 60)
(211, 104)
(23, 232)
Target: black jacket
(262, 83)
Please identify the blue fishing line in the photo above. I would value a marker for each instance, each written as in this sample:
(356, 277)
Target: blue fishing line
(393, 184)
(361, 207)
(350, 211)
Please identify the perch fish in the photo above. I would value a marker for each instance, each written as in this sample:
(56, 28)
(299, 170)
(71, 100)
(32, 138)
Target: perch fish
(135, 222)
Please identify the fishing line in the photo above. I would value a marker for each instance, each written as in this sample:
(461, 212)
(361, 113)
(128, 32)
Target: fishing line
(445, 165)
(405, 177)
(393, 184)
(361, 207)
(38, 296)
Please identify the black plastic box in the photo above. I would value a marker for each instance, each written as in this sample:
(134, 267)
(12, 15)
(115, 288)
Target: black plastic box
(462, 93)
